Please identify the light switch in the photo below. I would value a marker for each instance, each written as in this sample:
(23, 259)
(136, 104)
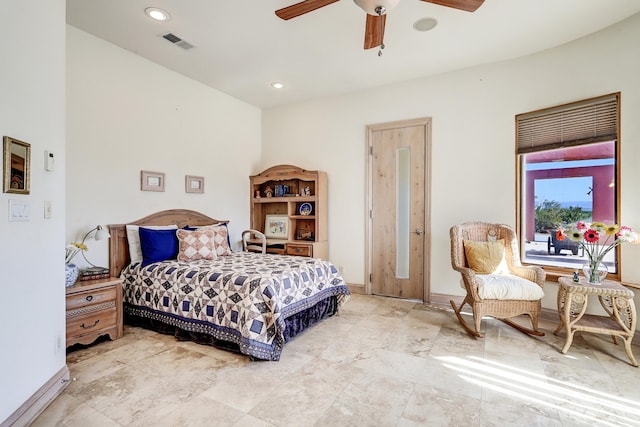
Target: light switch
(19, 211)
(48, 209)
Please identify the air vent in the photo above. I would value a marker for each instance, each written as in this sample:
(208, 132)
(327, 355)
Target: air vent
(178, 41)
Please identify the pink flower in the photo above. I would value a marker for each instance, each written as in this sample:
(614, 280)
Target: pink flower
(581, 225)
(591, 236)
(626, 234)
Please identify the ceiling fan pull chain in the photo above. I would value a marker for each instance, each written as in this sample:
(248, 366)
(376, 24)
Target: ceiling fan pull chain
(380, 10)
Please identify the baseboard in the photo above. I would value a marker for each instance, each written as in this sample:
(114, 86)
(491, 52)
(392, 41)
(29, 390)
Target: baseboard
(29, 410)
(549, 315)
(546, 314)
(443, 299)
(356, 289)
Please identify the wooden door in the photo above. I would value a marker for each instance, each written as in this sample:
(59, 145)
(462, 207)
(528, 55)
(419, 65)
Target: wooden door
(398, 243)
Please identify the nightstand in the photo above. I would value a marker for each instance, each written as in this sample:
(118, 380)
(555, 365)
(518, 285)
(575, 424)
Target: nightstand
(615, 299)
(94, 308)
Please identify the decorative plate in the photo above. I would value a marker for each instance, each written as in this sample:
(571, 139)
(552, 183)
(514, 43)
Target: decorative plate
(305, 209)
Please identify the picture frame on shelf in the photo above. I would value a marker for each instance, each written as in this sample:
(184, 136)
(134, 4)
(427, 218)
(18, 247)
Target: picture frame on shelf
(151, 181)
(193, 184)
(304, 234)
(276, 226)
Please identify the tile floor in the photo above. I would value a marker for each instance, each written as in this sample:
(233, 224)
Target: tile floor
(381, 362)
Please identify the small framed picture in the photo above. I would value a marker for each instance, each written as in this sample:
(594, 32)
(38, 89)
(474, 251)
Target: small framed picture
(17, 159)
(276, 226)
(194, 184)
(151, 181)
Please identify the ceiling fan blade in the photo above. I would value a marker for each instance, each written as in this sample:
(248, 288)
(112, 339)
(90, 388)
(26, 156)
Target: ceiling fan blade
(374, 32)
(302, 8)
(467, 5)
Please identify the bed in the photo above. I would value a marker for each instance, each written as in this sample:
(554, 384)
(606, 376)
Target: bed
(248, 302)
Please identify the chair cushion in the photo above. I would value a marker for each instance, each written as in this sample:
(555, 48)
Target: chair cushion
(507, 287)
(486, 257)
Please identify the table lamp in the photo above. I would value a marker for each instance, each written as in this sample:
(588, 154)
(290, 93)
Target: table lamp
(101, 234)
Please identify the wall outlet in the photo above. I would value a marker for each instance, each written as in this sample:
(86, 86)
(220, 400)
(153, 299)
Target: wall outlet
(341, 270)
(48, 209)
(59, 344)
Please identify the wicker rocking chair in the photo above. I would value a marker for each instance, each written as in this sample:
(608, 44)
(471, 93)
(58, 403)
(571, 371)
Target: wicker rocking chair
(513, 296)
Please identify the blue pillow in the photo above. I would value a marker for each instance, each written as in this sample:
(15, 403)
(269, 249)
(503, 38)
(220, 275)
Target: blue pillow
(157, 245)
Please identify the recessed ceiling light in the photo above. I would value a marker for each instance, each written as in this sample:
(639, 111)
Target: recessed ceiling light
(425, 24)
(277, 85)
(157, 14)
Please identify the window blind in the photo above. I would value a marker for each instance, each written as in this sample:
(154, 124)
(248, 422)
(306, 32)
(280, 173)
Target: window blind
(583, 122)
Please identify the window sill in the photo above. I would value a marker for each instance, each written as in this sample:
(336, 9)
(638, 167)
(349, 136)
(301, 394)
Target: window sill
(553, 274)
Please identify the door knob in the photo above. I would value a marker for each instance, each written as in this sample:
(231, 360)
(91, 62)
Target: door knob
(419, 232)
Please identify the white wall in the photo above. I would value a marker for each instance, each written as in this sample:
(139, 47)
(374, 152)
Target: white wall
(473, 162)
(32, 110)
(127, 114)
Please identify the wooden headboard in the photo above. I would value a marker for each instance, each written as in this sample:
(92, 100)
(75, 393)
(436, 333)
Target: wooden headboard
(119, 246)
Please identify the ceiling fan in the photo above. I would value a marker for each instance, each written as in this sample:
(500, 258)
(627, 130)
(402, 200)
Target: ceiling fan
(376, 14)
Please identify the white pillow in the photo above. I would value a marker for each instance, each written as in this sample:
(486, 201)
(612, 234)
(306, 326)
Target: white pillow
(133, 237)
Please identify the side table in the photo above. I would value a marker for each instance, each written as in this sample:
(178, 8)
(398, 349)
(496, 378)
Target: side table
(94, 308)
(617, 302)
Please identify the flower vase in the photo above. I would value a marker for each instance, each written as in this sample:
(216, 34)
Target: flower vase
(71, 274)
(595, 273)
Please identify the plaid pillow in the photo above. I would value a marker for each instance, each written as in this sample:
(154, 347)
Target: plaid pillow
(221, 239)
(196, 244)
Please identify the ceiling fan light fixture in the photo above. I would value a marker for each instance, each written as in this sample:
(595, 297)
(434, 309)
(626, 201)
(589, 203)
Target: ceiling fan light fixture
(157, 14)
(277, 85)
(370, 6)
(425, 24)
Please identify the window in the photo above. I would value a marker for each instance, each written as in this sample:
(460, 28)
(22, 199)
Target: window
(568, 169)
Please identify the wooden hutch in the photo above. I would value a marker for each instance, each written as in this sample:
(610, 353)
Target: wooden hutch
(294, 201)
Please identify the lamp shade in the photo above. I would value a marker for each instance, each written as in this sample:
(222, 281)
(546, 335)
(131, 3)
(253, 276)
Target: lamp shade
(101, 233)
(369, 6)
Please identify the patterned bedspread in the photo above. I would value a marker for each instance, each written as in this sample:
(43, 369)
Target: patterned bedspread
(242, 298)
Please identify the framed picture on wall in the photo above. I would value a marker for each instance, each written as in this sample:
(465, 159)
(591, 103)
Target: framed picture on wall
(151, 181)
(17, 160)
(276, 226)
(194, 184)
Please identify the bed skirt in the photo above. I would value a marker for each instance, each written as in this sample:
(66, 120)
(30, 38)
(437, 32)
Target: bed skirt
(294, 324)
